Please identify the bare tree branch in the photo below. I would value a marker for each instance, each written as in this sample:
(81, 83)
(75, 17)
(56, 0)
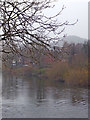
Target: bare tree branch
(24, 25)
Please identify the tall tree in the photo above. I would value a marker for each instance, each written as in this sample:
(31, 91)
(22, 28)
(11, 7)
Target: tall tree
(24, 25)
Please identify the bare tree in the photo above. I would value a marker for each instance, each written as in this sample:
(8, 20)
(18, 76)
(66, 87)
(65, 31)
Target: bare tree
(24, 25)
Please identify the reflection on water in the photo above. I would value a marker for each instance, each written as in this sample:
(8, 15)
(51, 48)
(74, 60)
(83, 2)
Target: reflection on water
(40, 98)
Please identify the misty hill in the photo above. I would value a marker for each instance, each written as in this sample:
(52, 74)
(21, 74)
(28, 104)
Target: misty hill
(71, 39)
(74, 39)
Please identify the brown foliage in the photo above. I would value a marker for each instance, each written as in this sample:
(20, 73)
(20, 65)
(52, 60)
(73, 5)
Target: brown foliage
(57, 70)
(77, 76)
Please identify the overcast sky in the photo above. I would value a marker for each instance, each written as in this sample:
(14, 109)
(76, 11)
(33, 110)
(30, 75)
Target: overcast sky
(75, 9)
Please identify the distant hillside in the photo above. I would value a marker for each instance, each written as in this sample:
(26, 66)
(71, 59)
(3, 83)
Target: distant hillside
(70, 39)
(74, 39)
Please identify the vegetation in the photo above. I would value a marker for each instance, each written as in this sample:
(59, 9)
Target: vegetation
(72, 68)
(77, 76)
(57, 71)
(25, 28)
(26, 32)
(18, 70)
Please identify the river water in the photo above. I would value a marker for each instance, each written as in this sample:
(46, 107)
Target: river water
(41, 98)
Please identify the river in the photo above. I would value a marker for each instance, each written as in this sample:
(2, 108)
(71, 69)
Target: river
(30, 97)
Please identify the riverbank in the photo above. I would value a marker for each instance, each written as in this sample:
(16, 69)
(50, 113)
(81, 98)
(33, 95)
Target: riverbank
(73, 75)
(60, 72)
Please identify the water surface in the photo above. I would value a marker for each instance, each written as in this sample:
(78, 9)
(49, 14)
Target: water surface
(41, 98)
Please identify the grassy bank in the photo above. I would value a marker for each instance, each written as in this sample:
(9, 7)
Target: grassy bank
(72, 74)
(23, 70)
(76, 75)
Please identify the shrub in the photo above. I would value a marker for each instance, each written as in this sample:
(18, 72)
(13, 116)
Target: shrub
(57, 70)
(77, 76)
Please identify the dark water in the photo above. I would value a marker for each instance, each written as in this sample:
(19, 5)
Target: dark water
(40, 98)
